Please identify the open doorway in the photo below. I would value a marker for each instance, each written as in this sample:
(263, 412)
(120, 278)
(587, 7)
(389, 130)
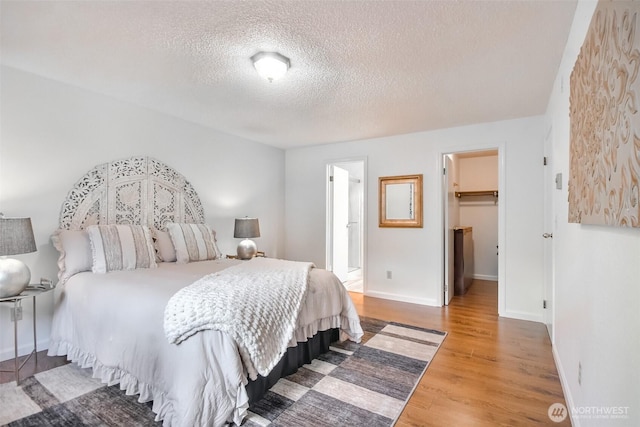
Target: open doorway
(471, 220)
(345, 222)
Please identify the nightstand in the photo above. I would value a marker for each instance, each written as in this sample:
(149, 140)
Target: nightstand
(259, 254)
(32, 292)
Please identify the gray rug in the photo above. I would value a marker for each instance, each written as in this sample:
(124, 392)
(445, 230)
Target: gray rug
(364, 384)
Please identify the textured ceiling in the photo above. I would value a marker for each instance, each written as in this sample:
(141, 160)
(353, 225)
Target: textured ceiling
(359, 69)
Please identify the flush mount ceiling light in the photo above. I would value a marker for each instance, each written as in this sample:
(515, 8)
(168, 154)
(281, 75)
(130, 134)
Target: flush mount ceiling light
(270, 65)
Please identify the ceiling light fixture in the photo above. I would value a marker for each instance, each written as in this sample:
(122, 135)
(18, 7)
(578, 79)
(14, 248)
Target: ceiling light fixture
(271, 65)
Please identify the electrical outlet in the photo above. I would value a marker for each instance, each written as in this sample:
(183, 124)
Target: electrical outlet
(16, 314)
(389, 274)
(579, 373)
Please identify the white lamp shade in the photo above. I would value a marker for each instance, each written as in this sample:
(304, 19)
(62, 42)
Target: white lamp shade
(270, 65)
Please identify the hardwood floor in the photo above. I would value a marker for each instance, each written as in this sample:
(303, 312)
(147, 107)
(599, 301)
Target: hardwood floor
(490, 371)
(44, 364)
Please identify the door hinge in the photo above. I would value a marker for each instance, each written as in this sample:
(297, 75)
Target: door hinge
(331, 178)
(444, 171)
(544, 160)
(544, 303)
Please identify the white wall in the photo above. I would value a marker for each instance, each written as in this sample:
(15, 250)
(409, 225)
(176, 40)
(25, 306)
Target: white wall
(478, 173)
(481, 212)
(415, 255)
(53, 133)
(597, 281)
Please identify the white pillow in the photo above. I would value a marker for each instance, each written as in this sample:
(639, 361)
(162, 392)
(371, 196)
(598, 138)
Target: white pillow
(193, 242)
(121, 247)
(164, 246)
(75, 253)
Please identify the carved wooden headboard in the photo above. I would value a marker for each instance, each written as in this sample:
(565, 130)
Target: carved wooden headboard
(137, 190)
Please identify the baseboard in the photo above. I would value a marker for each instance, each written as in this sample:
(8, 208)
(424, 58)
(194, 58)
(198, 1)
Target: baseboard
(485, 277)
(522, 315)
(24, 349)
(575, 422)
(402, 298)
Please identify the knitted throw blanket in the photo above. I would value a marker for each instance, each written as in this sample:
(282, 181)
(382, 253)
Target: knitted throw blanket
(256, 303)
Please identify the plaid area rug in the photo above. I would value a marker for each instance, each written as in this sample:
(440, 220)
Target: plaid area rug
(353, 384)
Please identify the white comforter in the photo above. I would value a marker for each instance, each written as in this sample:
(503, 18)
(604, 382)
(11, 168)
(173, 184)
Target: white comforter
(256, 302)
(114, 323)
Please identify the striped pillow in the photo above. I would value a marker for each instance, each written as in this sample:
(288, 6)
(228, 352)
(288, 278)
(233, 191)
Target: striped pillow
(121, 247)
(193, 242)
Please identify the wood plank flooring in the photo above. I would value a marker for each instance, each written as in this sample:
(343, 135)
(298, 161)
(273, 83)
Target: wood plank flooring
(490, 371)
(44, 364)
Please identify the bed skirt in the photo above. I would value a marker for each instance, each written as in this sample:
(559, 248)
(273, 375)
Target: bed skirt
(294, 358)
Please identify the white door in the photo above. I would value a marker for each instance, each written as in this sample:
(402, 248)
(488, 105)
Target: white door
(549, 186)
(340, 223)
(449, 222)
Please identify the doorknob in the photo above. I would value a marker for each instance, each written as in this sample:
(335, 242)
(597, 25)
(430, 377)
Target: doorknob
(547, 235)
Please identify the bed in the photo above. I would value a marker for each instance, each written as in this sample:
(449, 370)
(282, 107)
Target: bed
(117, 317)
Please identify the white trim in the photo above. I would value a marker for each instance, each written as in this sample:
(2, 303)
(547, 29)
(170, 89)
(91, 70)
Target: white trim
(365, 222)
(328, 218)
(523, 315)
(502, 226)
(485, 277)
(402, 298)
(440, 220)
(23, 349)
(566, 390)
(502, 217)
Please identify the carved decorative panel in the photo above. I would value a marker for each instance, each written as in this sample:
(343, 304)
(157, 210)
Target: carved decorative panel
(138, 190)
(605, 120)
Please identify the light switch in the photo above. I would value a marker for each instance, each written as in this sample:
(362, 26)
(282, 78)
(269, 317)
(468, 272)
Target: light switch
(559, 181)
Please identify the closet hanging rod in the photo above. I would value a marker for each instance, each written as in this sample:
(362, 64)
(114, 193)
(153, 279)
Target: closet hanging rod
(493, 193)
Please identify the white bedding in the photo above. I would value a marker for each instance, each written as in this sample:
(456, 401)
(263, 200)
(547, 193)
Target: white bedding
(260, 319)
(114, 323)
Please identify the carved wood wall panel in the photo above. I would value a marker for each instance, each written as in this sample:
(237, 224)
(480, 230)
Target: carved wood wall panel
(605, 120)
(137, 190)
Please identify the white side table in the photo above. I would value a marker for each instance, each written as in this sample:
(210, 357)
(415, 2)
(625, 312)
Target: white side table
(31, 292)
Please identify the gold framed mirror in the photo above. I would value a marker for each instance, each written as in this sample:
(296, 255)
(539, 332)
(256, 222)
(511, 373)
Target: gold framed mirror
(400, 201)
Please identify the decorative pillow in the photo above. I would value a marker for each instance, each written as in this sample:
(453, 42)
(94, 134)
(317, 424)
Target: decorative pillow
(164, 246)
(75, 253)
(121, 247)
(193, 242)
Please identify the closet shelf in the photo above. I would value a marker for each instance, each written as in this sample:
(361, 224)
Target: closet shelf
(493, 193)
